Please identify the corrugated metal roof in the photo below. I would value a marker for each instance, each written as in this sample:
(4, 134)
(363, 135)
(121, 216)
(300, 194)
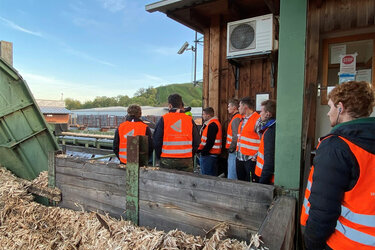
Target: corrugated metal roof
(171, 5)
(50, 103)
(54, 110)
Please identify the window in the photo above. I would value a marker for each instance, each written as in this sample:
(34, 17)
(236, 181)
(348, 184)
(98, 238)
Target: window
(362, 45)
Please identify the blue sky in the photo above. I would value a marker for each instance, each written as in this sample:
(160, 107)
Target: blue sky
(91, 48)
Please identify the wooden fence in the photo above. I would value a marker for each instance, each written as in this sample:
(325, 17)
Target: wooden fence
(169, 199)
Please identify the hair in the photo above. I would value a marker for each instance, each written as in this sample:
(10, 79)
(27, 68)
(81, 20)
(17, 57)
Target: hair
(234, 102)
(134, 110)
(270, 106)
(209, 111)
(175, 100)
(248, 102)
(357, 97)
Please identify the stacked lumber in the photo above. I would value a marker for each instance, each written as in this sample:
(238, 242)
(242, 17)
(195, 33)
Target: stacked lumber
(25, 224)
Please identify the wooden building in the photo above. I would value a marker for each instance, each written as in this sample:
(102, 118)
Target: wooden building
(309, 35)
(54, 111)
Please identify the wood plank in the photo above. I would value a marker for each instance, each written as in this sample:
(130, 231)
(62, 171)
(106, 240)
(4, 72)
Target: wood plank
(88, 135)
(75, 193)
(278, 228)
(243, 190)
(156, 215)
(132, 186)
(90, 183)
(77, 206)
(250, 214)
(214, 67)
(206, 67)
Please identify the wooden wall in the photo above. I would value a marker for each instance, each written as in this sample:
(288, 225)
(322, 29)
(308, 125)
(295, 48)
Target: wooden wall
(327, 19)
(167, 199)
(219, 74)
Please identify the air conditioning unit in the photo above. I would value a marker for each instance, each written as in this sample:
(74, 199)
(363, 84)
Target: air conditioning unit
(252, 36)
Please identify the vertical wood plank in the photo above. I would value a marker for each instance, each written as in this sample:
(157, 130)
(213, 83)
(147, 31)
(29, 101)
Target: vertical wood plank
(132, 177)
(214, 68)
(206, 68)
(51, 169)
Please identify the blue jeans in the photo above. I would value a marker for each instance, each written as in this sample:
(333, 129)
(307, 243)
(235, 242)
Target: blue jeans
(208, 164)
(232, 173)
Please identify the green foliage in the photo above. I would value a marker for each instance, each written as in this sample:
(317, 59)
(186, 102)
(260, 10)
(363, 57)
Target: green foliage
(192, 96)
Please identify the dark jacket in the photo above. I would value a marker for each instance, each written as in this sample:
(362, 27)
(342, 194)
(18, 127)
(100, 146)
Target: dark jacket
(159, 134)
(336, 171)
(116, 140)
(212, 130)
(269, 154)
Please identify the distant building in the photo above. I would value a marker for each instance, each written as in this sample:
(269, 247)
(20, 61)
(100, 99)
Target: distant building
(54, 111)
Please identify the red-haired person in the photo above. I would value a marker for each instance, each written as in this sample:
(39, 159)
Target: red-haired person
(338, 211)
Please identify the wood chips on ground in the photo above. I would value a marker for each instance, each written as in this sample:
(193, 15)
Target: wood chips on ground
(25, 224)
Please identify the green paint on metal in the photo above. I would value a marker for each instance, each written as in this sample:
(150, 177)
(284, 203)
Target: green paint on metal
(25, 138)
(290, 92)
(132, 177)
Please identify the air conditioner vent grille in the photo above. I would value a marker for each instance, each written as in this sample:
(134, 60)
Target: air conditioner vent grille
(242, 36)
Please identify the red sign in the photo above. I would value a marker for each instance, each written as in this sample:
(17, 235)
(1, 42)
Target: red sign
(348, 59)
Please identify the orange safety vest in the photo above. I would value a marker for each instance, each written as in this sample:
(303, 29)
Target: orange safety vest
(129, 128)
(248, 140)
(229, 132)
(216, 148)
(178, 136)
(260, 159)
(355, 226)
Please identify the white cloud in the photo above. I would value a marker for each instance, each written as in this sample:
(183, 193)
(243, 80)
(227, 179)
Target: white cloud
(88, 57)
(166, 51)
(113, 5)
(19, 28)
(153, 78)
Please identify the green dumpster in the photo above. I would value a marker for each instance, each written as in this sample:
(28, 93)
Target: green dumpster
(25, 139)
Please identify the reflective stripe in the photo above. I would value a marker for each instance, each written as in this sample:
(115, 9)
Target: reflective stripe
(248, 147)
(261, 156)
(250, 140)
(362, 219)
(259, 165)
(123, 157)
(217, 141)
(307, 207)
(177, 143)
(176, 151)
(216, 147)
(204, 137)
(355, 235)
(308, 186)
(229, 137)
(203, 143)
(123, 150)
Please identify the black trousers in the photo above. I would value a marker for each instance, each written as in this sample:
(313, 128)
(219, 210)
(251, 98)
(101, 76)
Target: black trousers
(246, 170)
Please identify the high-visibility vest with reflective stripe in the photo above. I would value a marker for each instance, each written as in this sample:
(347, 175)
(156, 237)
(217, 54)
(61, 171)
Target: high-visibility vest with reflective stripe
(355, 228)
(229, 131)
(260, 158)
(216, 148)
(178, 136)
(129, 128)
(248, 140)
(306, 203)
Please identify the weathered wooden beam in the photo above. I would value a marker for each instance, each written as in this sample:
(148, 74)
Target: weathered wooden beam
(277, 230)
(50, 193)
(132, 177)
(88, 135)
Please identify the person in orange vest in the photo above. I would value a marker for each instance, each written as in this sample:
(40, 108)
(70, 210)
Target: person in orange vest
(210, 146)
(248, 141)
(338, 210)
(265, 165)
(176, 137)
(132, 126)
(231, 142)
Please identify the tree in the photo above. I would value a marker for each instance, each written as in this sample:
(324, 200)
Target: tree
(72, 104)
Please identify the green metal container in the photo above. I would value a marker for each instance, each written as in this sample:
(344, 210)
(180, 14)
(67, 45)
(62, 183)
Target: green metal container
(25, 139)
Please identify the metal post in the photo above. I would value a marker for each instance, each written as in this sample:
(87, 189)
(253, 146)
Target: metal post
(195, 58)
